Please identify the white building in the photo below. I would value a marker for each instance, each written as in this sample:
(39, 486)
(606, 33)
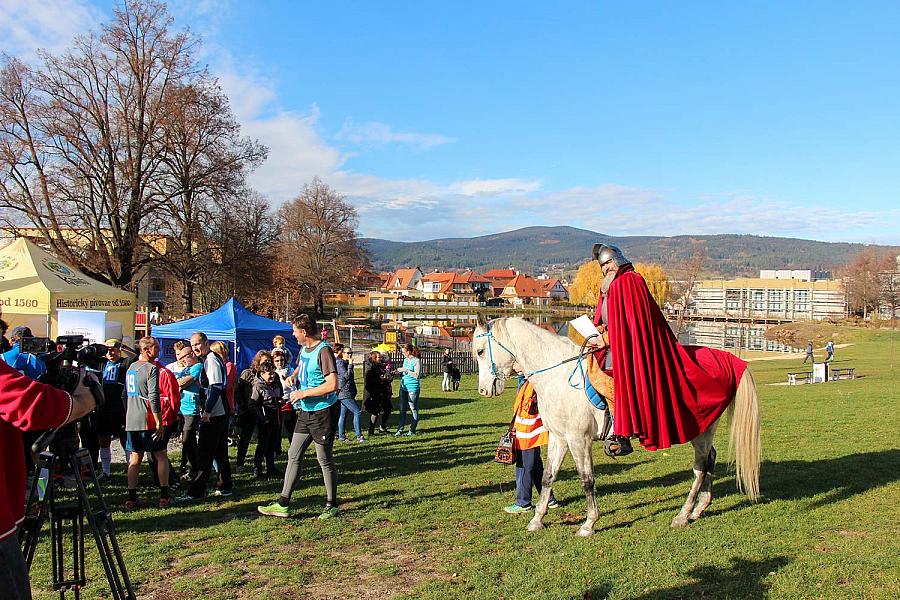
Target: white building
(799, 274)
(775, 299)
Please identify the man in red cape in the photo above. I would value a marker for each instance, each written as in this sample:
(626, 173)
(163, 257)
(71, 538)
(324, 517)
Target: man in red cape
(665, 393)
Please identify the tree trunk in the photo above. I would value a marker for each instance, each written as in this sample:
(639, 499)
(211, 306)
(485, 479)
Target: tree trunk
(187, 296)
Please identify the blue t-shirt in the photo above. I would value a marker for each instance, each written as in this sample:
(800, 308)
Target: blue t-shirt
(25, 363)
(409, 381)
(190, 396)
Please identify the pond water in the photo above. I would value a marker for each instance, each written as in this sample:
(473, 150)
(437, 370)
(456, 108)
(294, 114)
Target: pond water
(454, 331)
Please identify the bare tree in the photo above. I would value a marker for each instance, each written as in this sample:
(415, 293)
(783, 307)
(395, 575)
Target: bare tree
(319, 241)
(204, 162)
(80, 138)
(685, 276)
(863, 281)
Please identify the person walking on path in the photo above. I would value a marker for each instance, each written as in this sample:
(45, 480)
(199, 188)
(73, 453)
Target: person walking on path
(409, 389)
(319, 408)
(347, 392)
(447, 359)
(530, 436)
(376, 400)
(809, 354)
(829, 349)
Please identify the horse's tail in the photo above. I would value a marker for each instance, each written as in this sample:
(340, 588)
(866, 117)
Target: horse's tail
(743, 443)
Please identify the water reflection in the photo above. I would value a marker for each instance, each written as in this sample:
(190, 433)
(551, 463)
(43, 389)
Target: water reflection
(445, 330)
(730, 336)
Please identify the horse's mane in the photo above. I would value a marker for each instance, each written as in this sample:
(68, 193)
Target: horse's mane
(551, 340)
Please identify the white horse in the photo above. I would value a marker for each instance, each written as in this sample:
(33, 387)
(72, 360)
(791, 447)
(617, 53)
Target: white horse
(505, 345)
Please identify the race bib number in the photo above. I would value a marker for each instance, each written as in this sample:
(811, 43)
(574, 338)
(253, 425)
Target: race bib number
(131, 383)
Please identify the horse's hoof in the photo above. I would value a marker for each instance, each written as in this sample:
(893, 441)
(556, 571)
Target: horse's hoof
(532, 526)
(584, 532)
(680, 521)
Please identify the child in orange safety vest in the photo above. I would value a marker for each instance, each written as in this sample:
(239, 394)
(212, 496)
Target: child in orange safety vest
(530, 436)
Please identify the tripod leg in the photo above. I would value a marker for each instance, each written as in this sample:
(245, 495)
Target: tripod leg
(36, 509)
(102, 527)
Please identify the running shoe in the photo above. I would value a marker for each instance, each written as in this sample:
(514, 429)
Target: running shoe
(515, 509)
(399, 433)
(361, 440)
(330, 512)
(274, 510)
(410, 433)
(184, 498)
(132, 505)
(165, 502)
(222, 493)
(553, 503)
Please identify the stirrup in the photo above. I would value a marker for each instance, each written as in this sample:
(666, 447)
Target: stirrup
(617, 445)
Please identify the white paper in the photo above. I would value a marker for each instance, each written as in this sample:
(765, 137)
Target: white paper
(584, 326)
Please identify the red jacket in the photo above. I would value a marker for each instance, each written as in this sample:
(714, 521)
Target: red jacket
(25, 405)
(169, 394)
(230, 384)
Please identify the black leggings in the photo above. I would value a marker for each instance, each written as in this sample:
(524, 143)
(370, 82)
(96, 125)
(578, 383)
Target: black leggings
(246, 422)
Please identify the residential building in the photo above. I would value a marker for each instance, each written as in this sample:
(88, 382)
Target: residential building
(446, 286)
(890, 295)
(499, 278)
(555, 289)
(523, 290)
(367, 280)
(772, 299)
(403, 282)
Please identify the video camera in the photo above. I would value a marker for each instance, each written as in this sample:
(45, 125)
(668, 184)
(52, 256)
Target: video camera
(64, 364)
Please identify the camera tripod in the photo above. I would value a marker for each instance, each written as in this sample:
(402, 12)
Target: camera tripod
(69, 514)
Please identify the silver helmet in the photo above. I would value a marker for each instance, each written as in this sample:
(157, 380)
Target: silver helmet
(603, 253)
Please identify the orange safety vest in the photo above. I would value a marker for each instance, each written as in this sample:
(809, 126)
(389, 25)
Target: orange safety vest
(530, 430)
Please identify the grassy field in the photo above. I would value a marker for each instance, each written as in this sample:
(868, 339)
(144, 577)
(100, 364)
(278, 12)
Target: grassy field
(423, 515)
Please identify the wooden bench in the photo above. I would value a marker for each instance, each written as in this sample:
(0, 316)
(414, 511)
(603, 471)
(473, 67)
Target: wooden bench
(843, 373)
(800, 377)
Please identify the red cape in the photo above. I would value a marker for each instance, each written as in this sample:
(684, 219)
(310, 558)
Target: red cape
(665, 393)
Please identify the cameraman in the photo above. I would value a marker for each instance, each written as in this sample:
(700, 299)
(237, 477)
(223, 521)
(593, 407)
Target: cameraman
(25, 405)
(25, 363)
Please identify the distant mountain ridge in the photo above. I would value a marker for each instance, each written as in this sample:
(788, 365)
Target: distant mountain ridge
(534, 249)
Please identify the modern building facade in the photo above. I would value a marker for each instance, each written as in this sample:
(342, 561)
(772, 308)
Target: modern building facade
(768, 299)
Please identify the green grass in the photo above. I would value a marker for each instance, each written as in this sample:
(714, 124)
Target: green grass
(423, 515)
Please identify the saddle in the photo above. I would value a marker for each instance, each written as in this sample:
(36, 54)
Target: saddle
(599, 380)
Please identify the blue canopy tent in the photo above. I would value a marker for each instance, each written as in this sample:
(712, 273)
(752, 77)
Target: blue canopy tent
(245, 332)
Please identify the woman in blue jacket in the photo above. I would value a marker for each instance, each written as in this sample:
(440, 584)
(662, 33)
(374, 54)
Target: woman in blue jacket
(347, 391)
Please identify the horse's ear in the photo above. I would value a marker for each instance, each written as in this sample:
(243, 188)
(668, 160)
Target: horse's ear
(481, 320)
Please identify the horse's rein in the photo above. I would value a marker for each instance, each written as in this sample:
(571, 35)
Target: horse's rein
(490, 336)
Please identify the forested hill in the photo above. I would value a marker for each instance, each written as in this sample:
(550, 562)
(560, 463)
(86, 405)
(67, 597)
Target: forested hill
(534, 249)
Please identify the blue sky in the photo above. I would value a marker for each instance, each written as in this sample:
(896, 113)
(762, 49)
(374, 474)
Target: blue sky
(446, 119)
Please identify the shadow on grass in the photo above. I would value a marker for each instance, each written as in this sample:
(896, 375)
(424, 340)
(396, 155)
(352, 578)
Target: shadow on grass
(742, 579)
(839, 478)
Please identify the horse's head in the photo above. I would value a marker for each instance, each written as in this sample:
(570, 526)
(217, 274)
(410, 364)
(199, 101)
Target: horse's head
(495, 360)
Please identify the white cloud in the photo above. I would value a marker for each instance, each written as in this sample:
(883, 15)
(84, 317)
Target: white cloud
(493, 187)
(27, 26)
(374, 132)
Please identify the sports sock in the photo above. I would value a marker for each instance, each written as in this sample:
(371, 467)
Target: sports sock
(132, 494)
(163, 491)
(282, 501)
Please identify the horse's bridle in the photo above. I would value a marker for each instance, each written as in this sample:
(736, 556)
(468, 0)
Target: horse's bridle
(490, 336)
